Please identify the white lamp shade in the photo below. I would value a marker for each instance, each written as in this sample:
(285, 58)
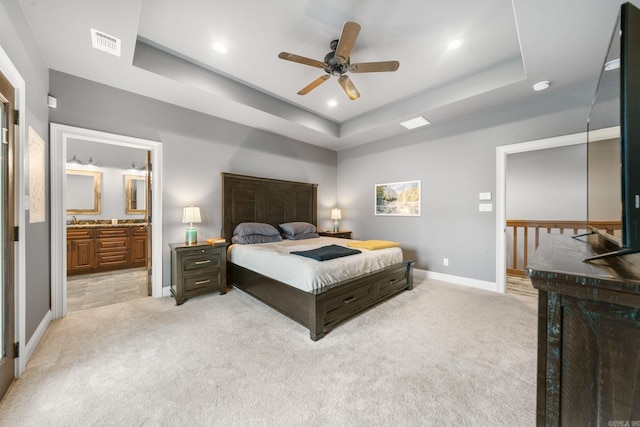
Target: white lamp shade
(191, 214)
(336, 214)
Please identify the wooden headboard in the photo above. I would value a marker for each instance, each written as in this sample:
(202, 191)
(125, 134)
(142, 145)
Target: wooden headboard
(272, 201)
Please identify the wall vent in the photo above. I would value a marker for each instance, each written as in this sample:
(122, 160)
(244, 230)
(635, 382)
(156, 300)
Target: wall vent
(105, 42)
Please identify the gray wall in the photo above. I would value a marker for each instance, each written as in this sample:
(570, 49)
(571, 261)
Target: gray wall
(17, 41)
(548, 184)
(196, 149)
(454, 161)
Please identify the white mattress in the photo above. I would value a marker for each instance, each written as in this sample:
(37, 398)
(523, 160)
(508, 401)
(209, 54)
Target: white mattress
(273, 260)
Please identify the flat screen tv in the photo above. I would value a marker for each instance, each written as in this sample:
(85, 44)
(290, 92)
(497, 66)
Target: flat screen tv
(613, 161)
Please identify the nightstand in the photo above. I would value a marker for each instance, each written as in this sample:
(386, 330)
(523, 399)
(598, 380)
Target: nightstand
(338, 234)
(197, 269)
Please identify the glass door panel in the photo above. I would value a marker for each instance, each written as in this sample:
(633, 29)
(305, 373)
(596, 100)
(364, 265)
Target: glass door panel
(7, 286)
(3, 219)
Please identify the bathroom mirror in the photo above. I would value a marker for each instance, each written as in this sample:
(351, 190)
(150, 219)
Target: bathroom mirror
(83, 195)
(135, 193)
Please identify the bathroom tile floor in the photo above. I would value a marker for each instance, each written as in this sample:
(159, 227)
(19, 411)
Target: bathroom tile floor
(100, 289)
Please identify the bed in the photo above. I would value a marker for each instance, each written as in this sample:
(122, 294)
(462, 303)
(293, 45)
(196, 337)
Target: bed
(247, 199)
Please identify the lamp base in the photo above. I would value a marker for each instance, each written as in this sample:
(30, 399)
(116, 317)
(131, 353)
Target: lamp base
(336, 227)
(191, 236)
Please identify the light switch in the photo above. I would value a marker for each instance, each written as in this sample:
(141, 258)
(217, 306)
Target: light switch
(485, 207)
(484, 196)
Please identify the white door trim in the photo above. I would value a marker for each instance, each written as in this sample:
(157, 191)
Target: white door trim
(501, 185)
(59, 137)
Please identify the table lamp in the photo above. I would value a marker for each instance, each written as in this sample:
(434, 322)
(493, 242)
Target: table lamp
(190, 215)
(336, 215)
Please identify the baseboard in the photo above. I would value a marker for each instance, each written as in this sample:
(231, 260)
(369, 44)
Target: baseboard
(166, 291)
(458, 280)
(31, 345)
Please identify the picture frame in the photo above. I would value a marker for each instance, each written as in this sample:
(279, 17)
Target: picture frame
(398, 198)
(37, 178)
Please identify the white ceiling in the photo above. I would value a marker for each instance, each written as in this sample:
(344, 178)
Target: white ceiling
(508, 45)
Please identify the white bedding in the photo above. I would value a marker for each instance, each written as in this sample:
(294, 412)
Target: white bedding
(273, 260)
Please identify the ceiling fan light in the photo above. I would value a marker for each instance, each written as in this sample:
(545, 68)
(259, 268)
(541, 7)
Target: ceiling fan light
(416, 122)
(454, 44)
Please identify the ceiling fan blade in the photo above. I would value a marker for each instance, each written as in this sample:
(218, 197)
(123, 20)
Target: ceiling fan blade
(300, 59)
(314, 84)
(374, 67)
(349, 87)
(347, 40)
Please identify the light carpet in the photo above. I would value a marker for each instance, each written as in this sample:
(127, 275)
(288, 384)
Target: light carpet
(437, 355)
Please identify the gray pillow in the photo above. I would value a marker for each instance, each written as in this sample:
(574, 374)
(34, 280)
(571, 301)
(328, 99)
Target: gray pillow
(295, 228)
(255, 238)
(301, 236)
(249, 228)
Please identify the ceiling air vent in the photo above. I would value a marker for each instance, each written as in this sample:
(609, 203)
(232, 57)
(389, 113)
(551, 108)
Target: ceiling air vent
(105, 42)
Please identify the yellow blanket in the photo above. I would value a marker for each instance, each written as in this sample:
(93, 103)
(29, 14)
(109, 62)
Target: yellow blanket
(373, 244)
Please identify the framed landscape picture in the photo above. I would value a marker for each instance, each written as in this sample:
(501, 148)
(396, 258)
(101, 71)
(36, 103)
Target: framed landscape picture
(398, 198)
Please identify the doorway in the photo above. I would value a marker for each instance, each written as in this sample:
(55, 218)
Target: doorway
(60, 137)
(107, 223)
(502, 153)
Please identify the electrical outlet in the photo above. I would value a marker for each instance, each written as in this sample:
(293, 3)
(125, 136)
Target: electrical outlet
(445, 261)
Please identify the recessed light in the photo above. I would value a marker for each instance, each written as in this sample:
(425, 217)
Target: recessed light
(541, 85)
(219, 47)
(454, 44)
(332, 103)
(614, 64)
(415, 122)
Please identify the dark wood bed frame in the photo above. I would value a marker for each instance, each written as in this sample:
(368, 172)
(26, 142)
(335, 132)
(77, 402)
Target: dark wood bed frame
(272, 201)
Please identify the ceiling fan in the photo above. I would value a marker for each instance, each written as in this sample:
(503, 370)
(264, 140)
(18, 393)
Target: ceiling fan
(338, 62)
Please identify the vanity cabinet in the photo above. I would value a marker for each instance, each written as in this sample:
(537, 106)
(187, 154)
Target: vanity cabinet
(112, 248)
(80, 250)
(138, 246)
(97, 249)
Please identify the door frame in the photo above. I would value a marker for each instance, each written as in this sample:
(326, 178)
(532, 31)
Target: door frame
(59, 135)
(20, 142)
(501, 185)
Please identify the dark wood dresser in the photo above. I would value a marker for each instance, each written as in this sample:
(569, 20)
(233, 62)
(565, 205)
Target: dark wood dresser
(588, 334)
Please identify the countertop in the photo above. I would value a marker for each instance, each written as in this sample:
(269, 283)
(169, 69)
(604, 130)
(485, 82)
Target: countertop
(81, 224)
